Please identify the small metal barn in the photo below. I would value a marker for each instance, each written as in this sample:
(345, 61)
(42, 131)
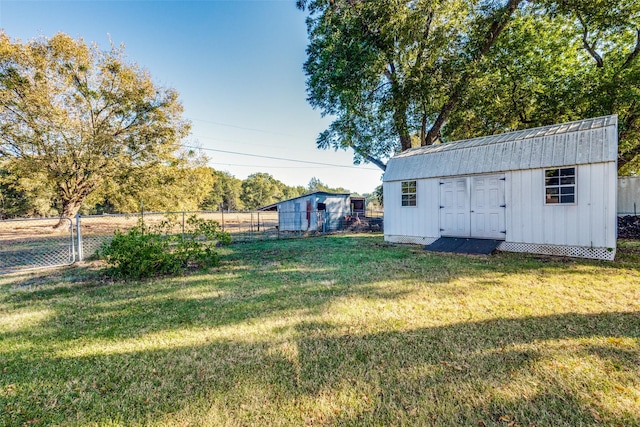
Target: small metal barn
(318, 211)
(549, 190)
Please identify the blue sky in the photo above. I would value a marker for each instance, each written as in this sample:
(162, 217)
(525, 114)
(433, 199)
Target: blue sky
(236, 64)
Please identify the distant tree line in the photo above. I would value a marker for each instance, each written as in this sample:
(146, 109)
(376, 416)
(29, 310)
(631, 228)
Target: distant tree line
(170, 188)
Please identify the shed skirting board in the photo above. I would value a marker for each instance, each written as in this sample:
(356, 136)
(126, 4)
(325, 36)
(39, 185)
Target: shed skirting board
(410, 239)
(570, 251)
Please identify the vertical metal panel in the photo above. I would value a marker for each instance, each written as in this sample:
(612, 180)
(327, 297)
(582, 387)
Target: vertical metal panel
(536, 153)
(571, 149)
(583, 191)
(558, 149)
(628, 200)
(611, 218)
(583, 148)
(547, 153)
(597, 189)
(391, 193)
(612, 149)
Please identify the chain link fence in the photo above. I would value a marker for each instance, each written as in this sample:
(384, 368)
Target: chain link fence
(48, 242)
(36, 243)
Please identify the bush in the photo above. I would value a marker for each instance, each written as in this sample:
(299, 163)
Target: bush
(147, 251)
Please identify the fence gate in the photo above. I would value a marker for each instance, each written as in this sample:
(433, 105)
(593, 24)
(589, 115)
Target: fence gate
(34, 243)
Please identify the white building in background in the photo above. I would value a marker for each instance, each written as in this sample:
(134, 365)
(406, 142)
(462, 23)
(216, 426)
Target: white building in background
(548, 190)
(629, 195)
(318, 211)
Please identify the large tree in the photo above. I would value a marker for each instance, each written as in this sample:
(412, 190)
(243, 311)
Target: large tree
(401, 73)
(260, 189)
(80, 116)
(180, 185)
(224, 193)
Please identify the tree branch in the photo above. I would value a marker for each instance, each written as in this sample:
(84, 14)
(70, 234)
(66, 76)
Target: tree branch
(370, 158)
(585, 43)
(497, 26)
(633, 53)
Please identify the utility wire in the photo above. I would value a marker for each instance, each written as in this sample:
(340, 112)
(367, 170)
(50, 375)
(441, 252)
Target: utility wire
(274, 158)
(270, 167)
(240, 127)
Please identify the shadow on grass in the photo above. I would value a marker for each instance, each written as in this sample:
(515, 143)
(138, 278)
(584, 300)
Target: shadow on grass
(463, 374)
(454, 374)
(257, 281)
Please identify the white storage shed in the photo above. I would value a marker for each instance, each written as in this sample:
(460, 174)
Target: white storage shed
(548, 190)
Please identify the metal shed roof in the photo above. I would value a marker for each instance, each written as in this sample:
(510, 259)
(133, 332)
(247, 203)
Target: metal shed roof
(272, 206)
(581, 142)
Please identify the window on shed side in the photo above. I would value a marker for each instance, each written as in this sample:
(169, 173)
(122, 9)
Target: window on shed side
(560, 186)
(408, 193)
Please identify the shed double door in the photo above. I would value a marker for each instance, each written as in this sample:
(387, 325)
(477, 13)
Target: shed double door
(473, 206)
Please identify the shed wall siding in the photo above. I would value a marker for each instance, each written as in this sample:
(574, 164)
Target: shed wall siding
(591, 222)
(421, 220)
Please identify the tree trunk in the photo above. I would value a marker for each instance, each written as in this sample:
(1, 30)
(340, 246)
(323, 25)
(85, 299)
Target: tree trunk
(70, 209)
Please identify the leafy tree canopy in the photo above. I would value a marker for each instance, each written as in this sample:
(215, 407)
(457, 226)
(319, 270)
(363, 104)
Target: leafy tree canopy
(260, 189)
(316, 185)
(400, 73)
(80, 117)
(225, 192)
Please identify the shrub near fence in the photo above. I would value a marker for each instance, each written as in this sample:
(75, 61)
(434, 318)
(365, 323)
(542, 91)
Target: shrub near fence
(33, 243)
(243, 226)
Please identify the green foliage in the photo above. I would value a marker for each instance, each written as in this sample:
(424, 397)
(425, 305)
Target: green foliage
(260, 189)
(396, 74)
(224, 193)
(378, 195)
(316, 185)
(181, 185)
(23, 196)
(80, 117)
(146, 251)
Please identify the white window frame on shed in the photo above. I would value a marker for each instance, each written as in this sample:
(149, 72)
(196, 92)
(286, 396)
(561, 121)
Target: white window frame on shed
(409, 191)
(561, 182)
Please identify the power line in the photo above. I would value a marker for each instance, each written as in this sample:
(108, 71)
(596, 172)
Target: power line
(271, 167)
(242, 127)
(248, 143)
(274, 158)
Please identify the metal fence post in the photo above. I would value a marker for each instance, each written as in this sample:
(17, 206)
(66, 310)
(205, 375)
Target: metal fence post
(79, 237)
(251, 227)
(182, 225)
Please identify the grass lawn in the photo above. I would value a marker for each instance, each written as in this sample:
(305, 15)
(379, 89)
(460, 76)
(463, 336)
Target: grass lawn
(334, 330)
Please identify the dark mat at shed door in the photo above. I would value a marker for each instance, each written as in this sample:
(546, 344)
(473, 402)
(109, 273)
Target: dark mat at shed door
(464, 246)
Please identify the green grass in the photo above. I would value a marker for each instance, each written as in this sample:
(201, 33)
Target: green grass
(336, 331)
